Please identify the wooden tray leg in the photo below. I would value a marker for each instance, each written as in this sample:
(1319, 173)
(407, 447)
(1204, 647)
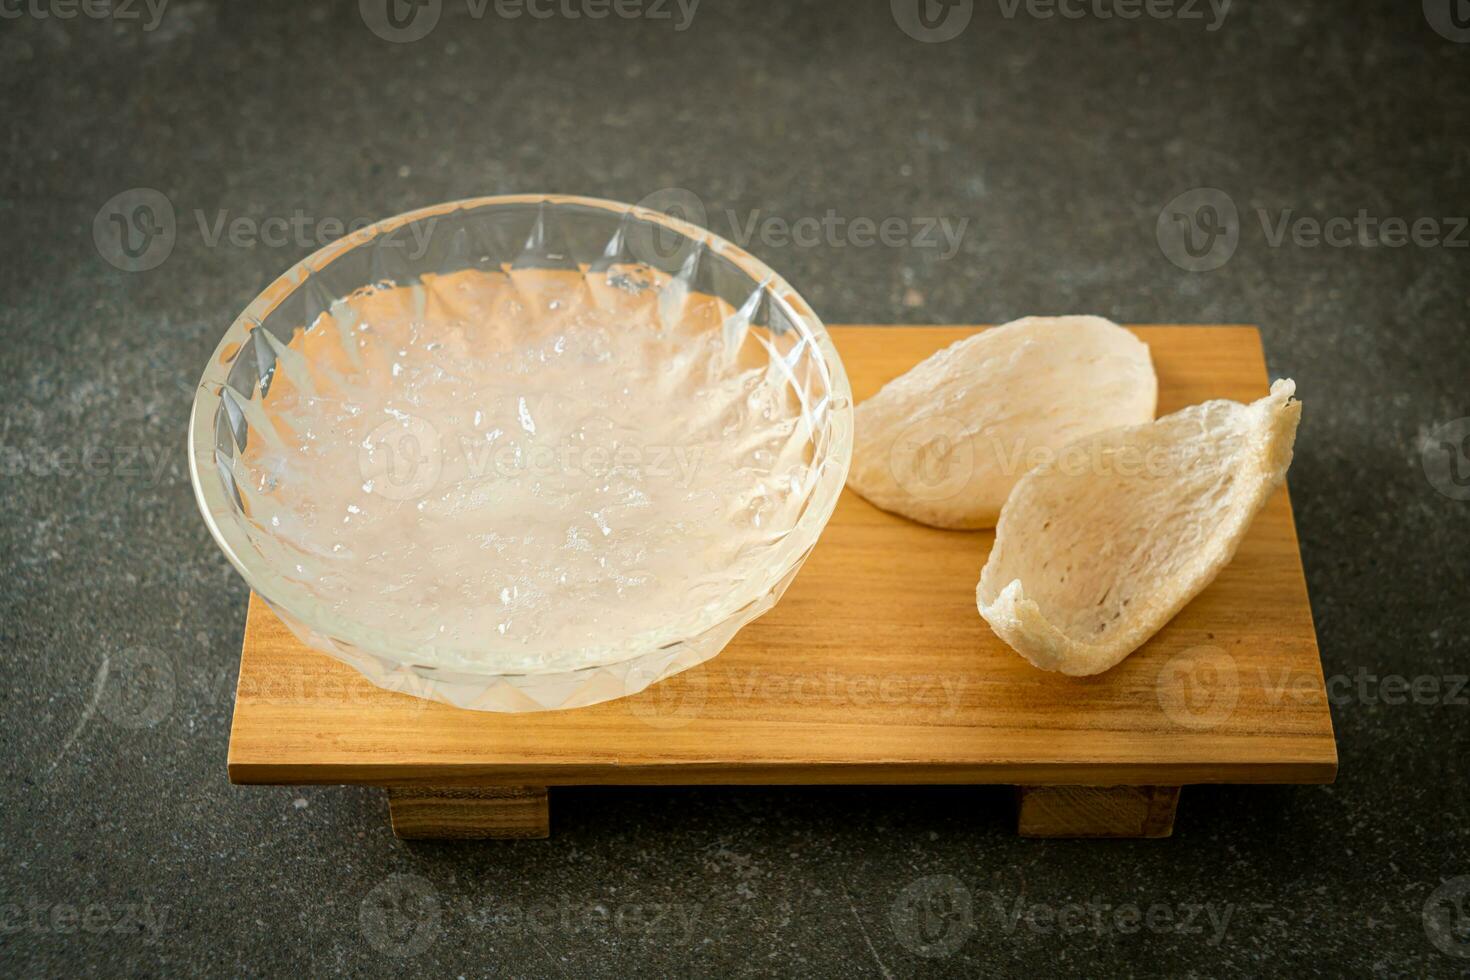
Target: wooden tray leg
(1096, 811)
(445, 813)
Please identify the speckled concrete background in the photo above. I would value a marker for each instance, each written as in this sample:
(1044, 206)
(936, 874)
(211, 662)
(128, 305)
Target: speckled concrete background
(1058, 141)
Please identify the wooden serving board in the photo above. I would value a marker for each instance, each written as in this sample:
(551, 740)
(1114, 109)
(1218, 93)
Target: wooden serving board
(874, 668)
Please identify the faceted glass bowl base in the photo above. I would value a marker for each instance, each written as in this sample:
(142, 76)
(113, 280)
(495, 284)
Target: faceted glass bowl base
(538, 692)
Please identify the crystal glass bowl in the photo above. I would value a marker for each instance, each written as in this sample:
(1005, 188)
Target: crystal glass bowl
(522, 453)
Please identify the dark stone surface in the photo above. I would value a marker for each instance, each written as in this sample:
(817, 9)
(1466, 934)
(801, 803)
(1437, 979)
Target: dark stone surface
(1058, 140)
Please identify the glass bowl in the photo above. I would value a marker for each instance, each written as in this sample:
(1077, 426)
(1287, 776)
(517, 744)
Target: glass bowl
(522, 453)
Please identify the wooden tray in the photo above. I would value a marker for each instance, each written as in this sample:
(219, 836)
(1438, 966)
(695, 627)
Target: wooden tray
(874, 668)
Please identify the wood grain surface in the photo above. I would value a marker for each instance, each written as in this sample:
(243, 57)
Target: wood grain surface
(1096, 811)
(467, 813)
(874, 668)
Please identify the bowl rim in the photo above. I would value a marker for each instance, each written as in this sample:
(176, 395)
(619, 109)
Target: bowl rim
(212, 496)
